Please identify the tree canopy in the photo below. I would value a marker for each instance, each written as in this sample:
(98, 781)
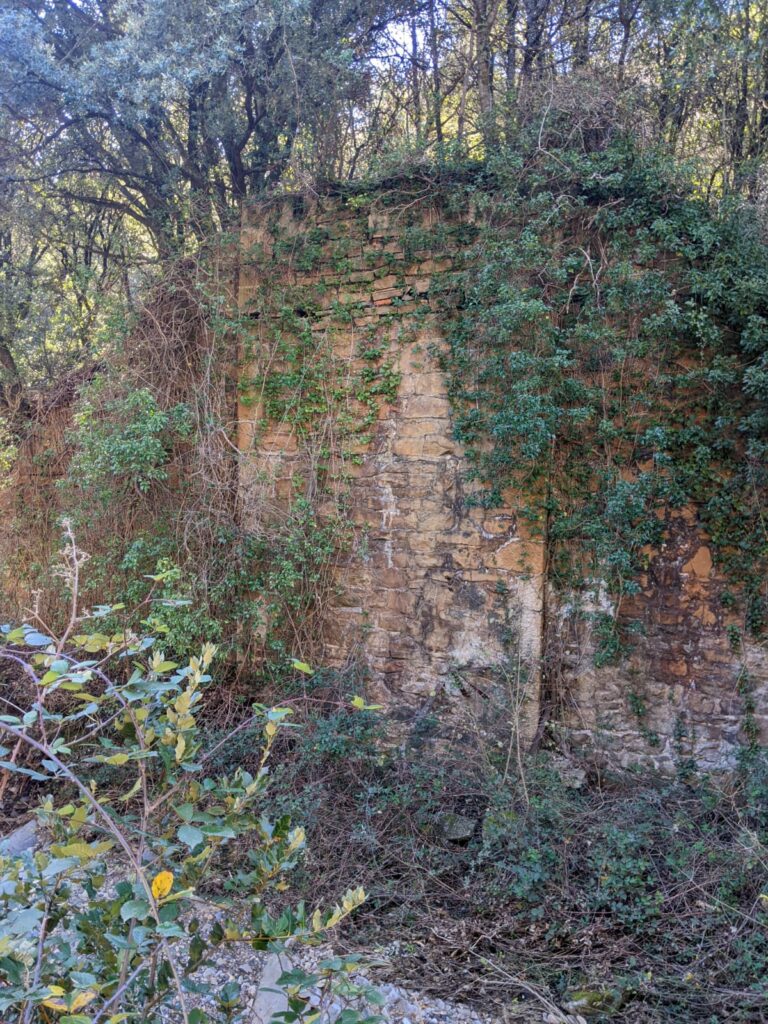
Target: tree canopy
(132, 130)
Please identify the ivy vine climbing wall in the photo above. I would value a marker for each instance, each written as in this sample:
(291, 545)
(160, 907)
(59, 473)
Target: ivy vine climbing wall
(512, 409)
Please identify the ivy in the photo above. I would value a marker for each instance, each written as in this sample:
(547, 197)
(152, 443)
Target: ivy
(608, 363)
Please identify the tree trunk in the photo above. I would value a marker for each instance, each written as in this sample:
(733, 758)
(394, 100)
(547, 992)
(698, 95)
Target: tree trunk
(536, 12)
(484, 18)
(415, 84)
(437, 96)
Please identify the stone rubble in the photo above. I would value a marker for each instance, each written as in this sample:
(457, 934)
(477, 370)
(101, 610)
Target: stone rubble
(257, 973)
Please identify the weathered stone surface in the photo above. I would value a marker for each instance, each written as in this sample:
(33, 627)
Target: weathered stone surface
(21, 840)
(430, 593)
(430, 587)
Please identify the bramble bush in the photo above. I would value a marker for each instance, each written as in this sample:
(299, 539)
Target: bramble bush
(103, 923)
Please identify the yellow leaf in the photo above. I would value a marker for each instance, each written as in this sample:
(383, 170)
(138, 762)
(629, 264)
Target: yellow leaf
(162, 884)
(181, 746)
(80, 850)
(63, 1006)
(116, 759)
(359, 703)
(132, 791)
(56, 1004)
(82, 999)
(183, 702)
(296, 839)
(270, 729)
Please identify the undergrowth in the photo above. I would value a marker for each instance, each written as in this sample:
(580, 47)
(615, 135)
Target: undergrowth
(632, 897)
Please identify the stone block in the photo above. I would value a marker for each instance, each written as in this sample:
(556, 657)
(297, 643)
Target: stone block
(701, 563)
(352, 298)
(427, 407)
(520, 557)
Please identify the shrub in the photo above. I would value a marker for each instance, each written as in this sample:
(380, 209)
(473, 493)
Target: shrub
(123, 443)
(113, 728)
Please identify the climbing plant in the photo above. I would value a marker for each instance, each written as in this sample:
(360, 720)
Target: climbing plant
(608, 350)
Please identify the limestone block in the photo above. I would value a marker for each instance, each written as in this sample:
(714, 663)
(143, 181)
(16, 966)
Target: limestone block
(521, 556)
(429, 383)
(427, 406)
(701, 563)
(351, 298)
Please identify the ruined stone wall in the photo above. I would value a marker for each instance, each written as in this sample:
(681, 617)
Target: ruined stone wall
(429, 588)
(446, 603)
(687, 691)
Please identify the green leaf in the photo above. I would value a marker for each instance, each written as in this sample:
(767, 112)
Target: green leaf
(134, 909)
(81, 979)
(190, 836)
(302, 666)
(35, 639)
(37, 776)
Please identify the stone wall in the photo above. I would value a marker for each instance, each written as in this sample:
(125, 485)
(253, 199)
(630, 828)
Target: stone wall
(446, 603)
(682, 693)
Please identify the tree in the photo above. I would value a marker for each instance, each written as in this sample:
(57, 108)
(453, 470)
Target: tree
(180, 110)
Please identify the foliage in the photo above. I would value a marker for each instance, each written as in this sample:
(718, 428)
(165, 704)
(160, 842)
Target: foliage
(296, 579)
(645, 889)
(102, 923)
(124, 443)
(8, 449)
(129, 129)
(176, 113)
(606, 364)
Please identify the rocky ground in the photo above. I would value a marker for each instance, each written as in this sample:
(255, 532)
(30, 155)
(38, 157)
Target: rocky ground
(257, 975)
